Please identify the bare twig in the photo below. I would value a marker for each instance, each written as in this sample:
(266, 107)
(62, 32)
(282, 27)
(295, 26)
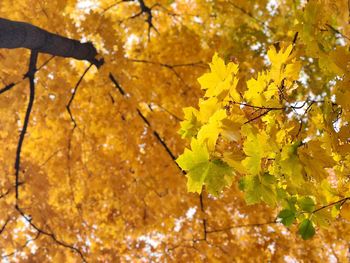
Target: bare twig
(171, 67)
(204, 220)
(2, 229)
(51, 235)
(145, 120)
(7, 87)
(11, 85)
(341, 202)
(263, 23)
(257, 117)
(23, 246)
(144, 9)
(337, 31)
(74, 93)
(117, 85)
(113, 5)
(241, 226)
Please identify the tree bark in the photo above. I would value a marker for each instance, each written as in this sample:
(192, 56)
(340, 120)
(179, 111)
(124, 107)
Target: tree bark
(15, 34)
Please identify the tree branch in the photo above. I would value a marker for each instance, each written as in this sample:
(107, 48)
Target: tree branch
(341, 202)
(11, 85)
(144, 9)
(30, 75)
(155, 133)
(4, 225)
(15, 34)
(204, 220)
(241, 226)
(73, 95)
(51, 235)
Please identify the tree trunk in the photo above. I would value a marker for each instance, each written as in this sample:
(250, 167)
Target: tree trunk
(15, 34)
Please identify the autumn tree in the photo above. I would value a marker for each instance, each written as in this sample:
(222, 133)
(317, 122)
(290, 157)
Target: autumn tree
(180, 131)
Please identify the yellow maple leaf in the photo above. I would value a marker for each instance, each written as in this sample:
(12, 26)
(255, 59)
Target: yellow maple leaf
(209, 132)
(220, 77)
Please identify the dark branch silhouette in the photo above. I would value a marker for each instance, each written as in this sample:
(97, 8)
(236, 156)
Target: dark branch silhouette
(117, 85)
(144, 9)
(51, 235)
(204, 220)
(4, 225)
(30, 75)
(14, 34)
(73, 95)
(155, 133)
(263, 23)
(7, 87)
(242, 226)
(11, 85)
(171, 67)
(22, 246)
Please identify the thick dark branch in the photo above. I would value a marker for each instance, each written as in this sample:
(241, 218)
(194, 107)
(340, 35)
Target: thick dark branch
(30, 75)
(15, 34)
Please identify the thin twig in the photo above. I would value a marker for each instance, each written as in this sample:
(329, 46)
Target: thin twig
(117, 85)
(145, 120)
(263, 23)
(337, 31)
(241, 226)
(2, 229)
(74, 93)
(257, 117)
(341, 201)
(171, 67)
(51, 235)
(23, 246)
(11, 85)
(204, 220)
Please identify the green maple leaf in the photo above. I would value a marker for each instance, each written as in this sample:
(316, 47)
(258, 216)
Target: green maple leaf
(259, 189)
(214, 174)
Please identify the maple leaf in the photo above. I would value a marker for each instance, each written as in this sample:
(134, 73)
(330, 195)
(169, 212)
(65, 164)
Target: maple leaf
(255, 147)
(214, 174)
(220, 77)
(96, 176)
(190, 124)
(259, 188)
